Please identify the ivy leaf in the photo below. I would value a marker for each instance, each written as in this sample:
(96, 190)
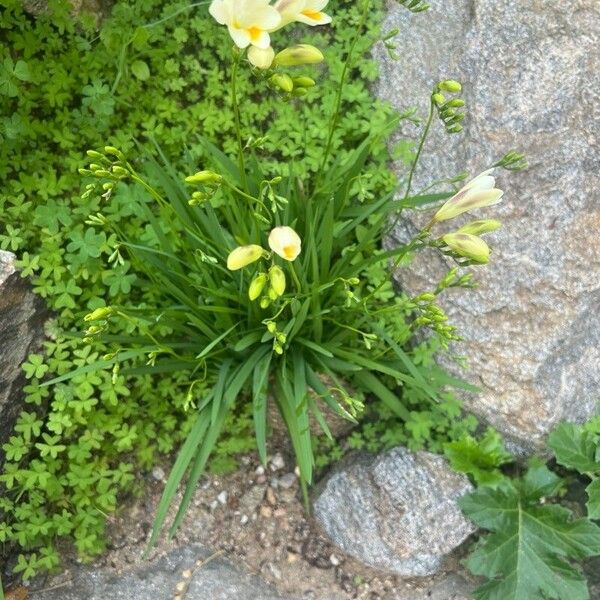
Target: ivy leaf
(574, 448)
(528, 552)
(140, 69)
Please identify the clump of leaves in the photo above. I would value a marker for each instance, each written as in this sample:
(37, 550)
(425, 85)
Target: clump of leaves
(533, 541)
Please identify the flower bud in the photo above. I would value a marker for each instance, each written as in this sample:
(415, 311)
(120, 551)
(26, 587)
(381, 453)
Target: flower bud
(120, 171)
(277, 280)
(209, 177)
(99, 313)
(469, 246)
(271, 327)
(299, 92)
(257, 286)
(449, 85)
(115, 152)
(95, 155)
(283, 82)
(243, 256)
(438, 99)
(304, 82)
(480, 227)
(264, 303)
(301, 54)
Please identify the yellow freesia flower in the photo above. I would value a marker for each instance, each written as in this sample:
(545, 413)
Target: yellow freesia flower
(285, 242)
(479, 192)
(261, 57)
(249, 21)
(309, 12)
(242, 256)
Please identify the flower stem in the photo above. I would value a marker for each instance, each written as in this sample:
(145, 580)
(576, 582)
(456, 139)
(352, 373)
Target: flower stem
(419, 150)
(338, 101)
(238, 126)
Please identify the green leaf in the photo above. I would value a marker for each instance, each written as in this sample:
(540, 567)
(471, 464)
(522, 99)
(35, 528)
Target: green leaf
(528, 552)
(574, 448)
(140, 69)
(593, 503)
(479, 458)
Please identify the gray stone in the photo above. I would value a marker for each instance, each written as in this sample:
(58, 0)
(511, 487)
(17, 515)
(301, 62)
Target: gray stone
(22, 316)
(531, 76)
(210, 580)
(396, 512)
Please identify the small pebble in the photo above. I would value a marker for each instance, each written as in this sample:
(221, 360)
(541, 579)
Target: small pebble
(270, 496)
(261, 479)
(222, 497)
(158, 474)
(266, 512)
(260, 470)
(287, 481)
(292, 557)
(334, 560)
(244, 519)
(277, 462)
(213, 505)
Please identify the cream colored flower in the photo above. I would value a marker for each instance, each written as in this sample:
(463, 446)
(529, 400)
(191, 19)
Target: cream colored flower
(261, 58)
(285, 242)
(248, 21)
(309, 12)
(242, 256)
(469, 246)
(479, 192)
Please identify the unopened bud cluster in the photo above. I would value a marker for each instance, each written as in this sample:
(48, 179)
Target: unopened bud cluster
(449, 108)
(512, 161)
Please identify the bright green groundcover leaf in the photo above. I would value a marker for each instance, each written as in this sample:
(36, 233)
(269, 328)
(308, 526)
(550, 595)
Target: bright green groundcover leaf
(529, 551)
(479, 458)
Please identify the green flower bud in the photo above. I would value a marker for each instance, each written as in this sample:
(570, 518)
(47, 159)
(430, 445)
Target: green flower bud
(283, 82)
(301, 54)
(469, 246)
(277, 280)
(120, 171)
(299, 92)
(304, 82)
(264, 303)
(271, 327)
(209, 177)
(480, 227)
(455, 103)
(257, 286)
(99, 313)
(450, 85)
(102, 173)
(112, 150)
(95, 155)
(454, 128)
(242, 256)
(438, 99)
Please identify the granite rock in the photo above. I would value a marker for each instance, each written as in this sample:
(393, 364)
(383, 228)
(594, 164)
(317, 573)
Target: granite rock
(22, 316)
(395, 512)
(163, 579)
(531, 77)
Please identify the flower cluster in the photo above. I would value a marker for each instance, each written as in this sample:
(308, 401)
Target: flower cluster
(250, 22)
(465, 242)
(284, 242)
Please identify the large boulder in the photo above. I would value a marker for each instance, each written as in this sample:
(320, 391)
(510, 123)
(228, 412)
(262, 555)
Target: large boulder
(395, 512)
(22, 316)
(531, 76)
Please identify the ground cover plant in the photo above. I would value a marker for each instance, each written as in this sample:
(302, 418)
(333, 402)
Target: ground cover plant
(146, 69)
(533, 542)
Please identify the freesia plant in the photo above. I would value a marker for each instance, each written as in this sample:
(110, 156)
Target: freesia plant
(265, 276)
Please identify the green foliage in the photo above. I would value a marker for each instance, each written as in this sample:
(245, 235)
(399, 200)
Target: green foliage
(529, 551)
(533, 540)
(480, 458)
(577, 448)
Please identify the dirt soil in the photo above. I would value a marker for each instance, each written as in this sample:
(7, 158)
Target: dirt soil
(255, 518)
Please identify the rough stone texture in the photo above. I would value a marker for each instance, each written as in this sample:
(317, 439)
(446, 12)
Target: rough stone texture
(214, 580)
(395, 512)
(531, 75)
(22, 317)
